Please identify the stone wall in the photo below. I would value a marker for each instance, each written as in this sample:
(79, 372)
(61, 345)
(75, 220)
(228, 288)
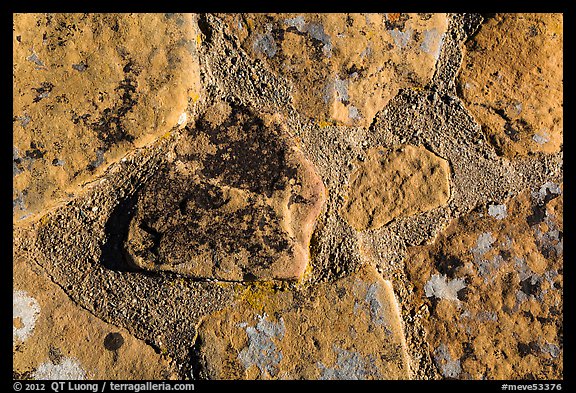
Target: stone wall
(288, 196)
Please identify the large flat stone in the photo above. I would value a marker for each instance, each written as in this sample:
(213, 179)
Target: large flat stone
(344, 67)
(349, 329)
(511, 81)
(90, 87)
(236, 200)
(54, 338)
(492, 283)
(396, 182)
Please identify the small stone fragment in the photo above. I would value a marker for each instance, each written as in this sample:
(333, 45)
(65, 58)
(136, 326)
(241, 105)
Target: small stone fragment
(396, 182)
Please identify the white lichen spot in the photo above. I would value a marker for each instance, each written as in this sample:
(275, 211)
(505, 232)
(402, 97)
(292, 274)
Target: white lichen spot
(353, 113)
(497, 211)
(541, 138)
(182, 119)
(341, 89)
(549, 276)
(483, 244)
(336, 89)
(35, 59)
(369, 300)
(551, 349)
(298, 22)
(261, 350)
(376, 307)
(432, 42)
(25, 311)
(349, 366)
(366, 52)
(449, 368)
(522, 268)
(486, 267)
(440, 287)
(401, 38)
(546, 189)
(265, 43)
(67, 369)
(484, 316)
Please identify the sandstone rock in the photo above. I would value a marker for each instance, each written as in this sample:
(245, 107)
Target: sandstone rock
(90, 87)
(237, 200)
(349, 329)
(56, 339)
(511, 80)
(504, 319)
(344, 67)
(396, 182)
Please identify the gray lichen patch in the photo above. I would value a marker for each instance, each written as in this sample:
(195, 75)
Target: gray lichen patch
(440, 287)
(314, 29)
(349, 365)
(261, 350)
(265, 43)
(236, 201)
(449, 367)
(25, 311)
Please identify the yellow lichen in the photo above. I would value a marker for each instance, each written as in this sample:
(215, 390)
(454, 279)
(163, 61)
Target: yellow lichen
(259, 295)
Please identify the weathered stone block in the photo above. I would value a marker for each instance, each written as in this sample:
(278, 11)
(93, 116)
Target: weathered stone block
(494, 290)
(90, 87)
(236, 200)
(344, 67)
(511, 80)
(349, 329)
(394, 183)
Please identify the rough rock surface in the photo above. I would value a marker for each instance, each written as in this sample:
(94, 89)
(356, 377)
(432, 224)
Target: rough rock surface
(344, 67)
(496, 316)
(236, 200)
(511, 80)
(397, 182)
(56, 339)
(90, 87)
(493, 288)
(349, 329)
